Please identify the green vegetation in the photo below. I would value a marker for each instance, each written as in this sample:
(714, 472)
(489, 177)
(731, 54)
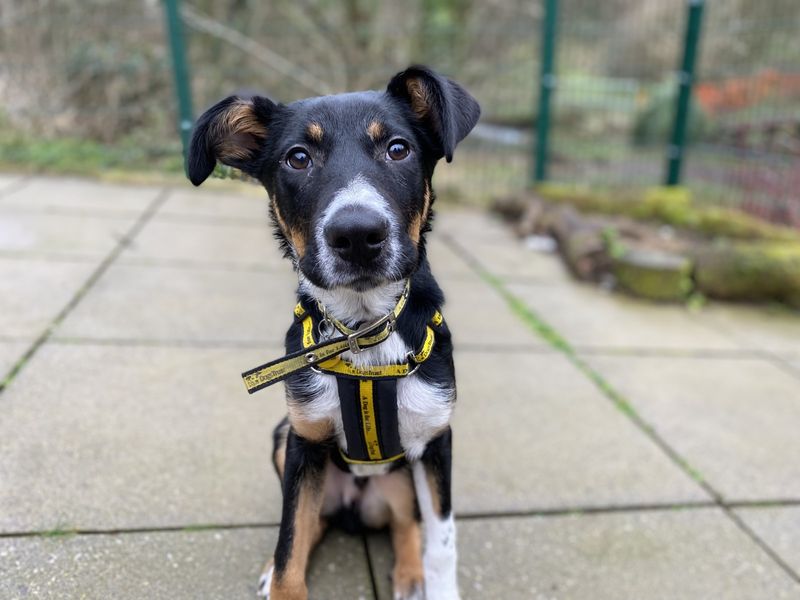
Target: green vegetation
(750, 271)
(654, 275)
(653, 124)
(85, 157)
(672, 206)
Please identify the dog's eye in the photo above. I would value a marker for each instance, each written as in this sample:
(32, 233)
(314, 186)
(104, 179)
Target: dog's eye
(398, 150)
(297, 158)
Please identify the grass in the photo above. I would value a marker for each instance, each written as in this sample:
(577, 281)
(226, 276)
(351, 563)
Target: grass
(76, 156)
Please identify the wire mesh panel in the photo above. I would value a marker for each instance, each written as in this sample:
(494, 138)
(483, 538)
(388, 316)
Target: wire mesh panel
(748, 97)
(613, 105)
(90, 71)
(89, 83)
(290, 50)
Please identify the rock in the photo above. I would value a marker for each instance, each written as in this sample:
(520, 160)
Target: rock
(653, 274)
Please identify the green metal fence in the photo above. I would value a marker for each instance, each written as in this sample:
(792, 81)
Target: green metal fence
(92, 84)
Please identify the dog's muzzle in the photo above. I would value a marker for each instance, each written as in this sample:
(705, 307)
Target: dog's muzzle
(357, 235)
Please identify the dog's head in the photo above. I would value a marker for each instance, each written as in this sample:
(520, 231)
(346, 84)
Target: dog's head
(349, 176)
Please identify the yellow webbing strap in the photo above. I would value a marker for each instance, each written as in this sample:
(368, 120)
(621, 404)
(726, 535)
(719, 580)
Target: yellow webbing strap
(368, 422)
(340, 366)
(382, 461)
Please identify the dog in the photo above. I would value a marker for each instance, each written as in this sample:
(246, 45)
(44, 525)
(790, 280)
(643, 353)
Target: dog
(369, 375)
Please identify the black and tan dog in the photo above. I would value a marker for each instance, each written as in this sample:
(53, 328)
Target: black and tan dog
(369, 375)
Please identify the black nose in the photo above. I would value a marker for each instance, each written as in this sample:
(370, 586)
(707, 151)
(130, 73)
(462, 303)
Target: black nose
(357, 234)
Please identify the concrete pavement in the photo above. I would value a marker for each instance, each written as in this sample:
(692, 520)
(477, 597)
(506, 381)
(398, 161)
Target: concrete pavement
(604, 448)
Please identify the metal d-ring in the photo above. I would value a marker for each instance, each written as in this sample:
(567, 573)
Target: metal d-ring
(324, 328)
(412, 360)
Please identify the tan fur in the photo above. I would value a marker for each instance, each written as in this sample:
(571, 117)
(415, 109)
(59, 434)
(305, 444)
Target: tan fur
(375, 130)
(238, 132)
(415, 228)
(295, 235)
(420, 102)
(426, 206)
(398, 490)
(315, 132)
(418, 221)
(280, 459)
(308, 530)
(313, 431)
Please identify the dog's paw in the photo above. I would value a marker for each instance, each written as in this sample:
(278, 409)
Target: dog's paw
(265, 582)
(408, 585)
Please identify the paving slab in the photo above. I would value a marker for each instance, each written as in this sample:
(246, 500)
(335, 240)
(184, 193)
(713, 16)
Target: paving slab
(589, 317)
(61, 236)
(135, 302)
(512, 260)
(477, 315)
(757, 328)
(445, 262)
(221, 564)
(549, 439)
(465, 225)
(779, 527)
(697, 554)
(734, 420)
(59, 194)
(215, 203)
(7, 180)
(10, 353)
(99, 437)
(33, 291)
(206, 243)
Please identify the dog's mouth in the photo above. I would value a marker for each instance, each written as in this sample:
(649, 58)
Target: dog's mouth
(346, 276)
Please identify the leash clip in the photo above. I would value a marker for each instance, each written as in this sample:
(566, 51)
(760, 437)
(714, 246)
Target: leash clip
(352, 339)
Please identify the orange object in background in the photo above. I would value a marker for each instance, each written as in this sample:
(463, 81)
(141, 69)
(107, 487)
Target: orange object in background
(743, 92)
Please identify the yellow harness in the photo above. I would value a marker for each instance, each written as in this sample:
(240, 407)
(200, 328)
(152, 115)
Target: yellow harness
(367, 394)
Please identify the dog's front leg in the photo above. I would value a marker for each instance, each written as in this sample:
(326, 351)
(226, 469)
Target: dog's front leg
(301, 524)
(432, 483)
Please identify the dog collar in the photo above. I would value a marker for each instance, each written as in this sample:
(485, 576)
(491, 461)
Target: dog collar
(326, 352)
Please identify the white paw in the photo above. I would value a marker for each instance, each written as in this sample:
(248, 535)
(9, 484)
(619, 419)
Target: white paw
(416, 592)
(264, 583)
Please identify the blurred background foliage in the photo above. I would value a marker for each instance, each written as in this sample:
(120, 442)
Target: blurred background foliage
(85, 85)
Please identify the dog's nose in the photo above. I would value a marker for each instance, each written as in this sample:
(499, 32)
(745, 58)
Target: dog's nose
(356, 234)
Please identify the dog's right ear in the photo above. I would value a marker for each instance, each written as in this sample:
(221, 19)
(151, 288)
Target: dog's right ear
(231, 132)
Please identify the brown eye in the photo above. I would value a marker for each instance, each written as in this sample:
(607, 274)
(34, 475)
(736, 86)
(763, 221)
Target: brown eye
(397, 150)
(297, 158)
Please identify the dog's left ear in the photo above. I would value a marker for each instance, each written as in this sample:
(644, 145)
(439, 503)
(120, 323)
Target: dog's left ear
(232, 132)
(444, 108)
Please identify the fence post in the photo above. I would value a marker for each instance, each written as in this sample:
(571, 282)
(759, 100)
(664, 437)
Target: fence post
(180, 71)
(547, 83)
(677, 146)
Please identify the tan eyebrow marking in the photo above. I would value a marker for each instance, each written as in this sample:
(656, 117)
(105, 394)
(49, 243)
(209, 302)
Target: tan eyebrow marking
(375, 130)
(315, 131)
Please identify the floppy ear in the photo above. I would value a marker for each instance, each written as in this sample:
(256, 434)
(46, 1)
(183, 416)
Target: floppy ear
(444, 108)
(232, 131)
